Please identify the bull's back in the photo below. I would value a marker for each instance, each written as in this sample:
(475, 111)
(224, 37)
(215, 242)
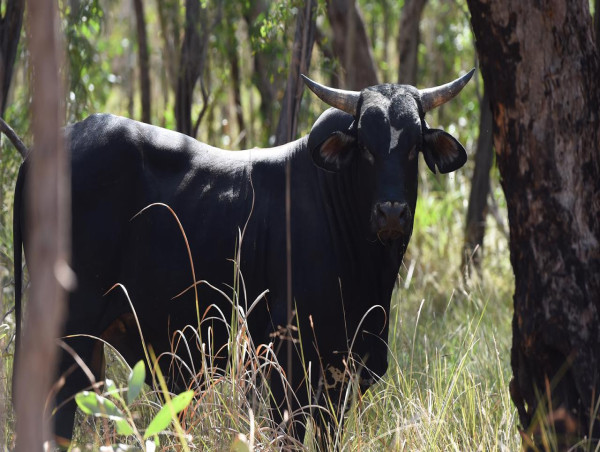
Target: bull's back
(124, 175)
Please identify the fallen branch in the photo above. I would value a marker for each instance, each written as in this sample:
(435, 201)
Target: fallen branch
(13, 137)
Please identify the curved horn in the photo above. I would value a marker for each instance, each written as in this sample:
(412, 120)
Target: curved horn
(434, 97)
(341, 99)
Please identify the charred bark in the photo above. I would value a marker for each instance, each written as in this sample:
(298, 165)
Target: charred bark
(408, 41)
(480, 189)
(144, 59)
(540, 66)
(10, 33)
(351, 44)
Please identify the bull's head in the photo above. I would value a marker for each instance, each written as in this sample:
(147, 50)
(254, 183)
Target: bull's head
(388, 132)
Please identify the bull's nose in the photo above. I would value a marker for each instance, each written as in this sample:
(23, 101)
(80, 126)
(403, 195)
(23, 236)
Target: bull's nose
(392, 219)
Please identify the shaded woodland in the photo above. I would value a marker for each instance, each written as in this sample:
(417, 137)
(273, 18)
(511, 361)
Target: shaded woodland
(228, 73)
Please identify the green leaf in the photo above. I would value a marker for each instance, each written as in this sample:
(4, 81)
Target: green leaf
(182, 400)
(123, 427)
(136, 381)
(160, 422)
(163, 418)
(110, 388)
(96, 405)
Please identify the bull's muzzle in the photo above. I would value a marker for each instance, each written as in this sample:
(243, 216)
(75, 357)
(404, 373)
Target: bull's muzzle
(391, 220)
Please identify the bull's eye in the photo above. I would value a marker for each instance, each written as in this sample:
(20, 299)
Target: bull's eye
(412, 153)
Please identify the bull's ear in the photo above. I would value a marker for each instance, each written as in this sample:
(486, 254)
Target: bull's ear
(442, 150)
(335, 152)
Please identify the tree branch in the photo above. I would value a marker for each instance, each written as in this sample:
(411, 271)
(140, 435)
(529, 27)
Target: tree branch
(14, 138)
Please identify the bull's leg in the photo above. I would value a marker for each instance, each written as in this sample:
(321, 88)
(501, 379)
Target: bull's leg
(75, 379)
(292, 396)
(321, 400)
(284, 404)
(333, 400)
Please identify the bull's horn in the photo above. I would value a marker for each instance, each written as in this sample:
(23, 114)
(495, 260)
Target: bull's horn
(341, 99)
(434, 97)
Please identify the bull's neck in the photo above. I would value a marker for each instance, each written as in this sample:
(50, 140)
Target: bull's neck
(346, 197)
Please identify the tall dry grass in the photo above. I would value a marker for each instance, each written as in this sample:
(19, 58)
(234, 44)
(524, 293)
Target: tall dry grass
(447, 383)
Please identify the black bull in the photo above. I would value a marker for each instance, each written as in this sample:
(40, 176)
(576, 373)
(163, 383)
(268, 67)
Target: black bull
(352, 195)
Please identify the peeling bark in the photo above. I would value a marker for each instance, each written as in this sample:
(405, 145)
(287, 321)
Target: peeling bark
(540, 67)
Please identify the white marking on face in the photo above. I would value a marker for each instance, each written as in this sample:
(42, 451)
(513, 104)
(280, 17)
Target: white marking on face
(395, 136)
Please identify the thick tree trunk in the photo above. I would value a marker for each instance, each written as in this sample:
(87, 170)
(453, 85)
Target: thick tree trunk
(144, 59)
(480, 188)
(351, 44)
(302, 50)
(540, 67)
(10, 32)
(47, 208)
(408, 41)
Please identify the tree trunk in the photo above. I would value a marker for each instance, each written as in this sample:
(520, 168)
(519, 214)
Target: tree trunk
(265, 75)
(408, 41)
(540, 68)
(324, 44)
(10, 32)
(168, 18)
(232, 50)
(142, 39)
(597, 22)
(191, 63)
(304, 39)
(480, 189)
(351, 44)
(47, 209)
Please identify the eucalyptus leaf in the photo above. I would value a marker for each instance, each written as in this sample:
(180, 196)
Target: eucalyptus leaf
(136, 381)
(123, 427)
(110, 388)
(96, 405)
(163, 418)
